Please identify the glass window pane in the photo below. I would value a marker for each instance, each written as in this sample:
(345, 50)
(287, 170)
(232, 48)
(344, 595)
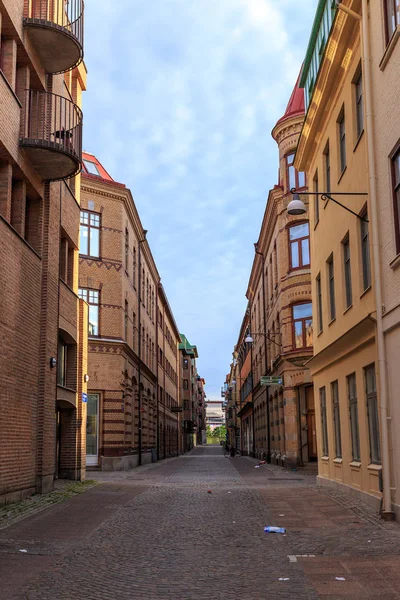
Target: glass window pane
(305, 252)
(302, 179)
(82, 294)
(83, 240)
(298, 334)
(95, 220)
(290, 159)
(84, 217)
(309, 332)
(92, 424)
(299, 231)
(94, 242)
(294, 247)
(91, 167)
(292, 177)
(302, 311)
(93, 320)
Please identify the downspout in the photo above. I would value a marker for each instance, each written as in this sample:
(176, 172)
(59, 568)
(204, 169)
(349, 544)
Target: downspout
(140, 348)
(158, 387)
(265, 355)
(387, 512)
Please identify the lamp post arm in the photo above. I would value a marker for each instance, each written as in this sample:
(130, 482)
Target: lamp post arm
(328, 197)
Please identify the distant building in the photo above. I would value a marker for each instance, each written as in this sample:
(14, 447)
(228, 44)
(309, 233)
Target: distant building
(215, 414)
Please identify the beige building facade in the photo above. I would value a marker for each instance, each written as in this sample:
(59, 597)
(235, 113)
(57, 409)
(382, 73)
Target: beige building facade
(333, 152)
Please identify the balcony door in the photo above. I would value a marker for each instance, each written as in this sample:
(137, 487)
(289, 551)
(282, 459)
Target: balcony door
(92, 430)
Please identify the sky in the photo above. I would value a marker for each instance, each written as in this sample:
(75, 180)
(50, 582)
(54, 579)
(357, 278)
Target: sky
(182, 97)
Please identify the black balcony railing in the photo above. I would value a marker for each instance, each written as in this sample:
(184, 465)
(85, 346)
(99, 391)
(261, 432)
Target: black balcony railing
(52, 134)
(60, 41)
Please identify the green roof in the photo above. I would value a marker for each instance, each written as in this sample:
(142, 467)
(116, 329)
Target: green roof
(186, 347)
(313, 39)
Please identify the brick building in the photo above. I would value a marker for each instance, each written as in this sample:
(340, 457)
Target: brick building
(280, 314)
(168, 339)
(243, 378)
(201, 411)
(119, 280)
(42, 322)
(189, 393)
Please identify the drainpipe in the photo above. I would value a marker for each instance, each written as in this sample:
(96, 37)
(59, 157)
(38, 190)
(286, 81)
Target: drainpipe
(140, 346)
(387, 512)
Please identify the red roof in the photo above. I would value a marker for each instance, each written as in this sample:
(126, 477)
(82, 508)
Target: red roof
(92, 167)
(296, 103)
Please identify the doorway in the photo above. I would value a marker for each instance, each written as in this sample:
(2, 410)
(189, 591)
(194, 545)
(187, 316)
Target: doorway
(311, 429)
(92, 430)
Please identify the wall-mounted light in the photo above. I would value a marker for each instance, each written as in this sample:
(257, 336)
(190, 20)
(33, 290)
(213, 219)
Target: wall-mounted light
(53, 362)
(86, 378)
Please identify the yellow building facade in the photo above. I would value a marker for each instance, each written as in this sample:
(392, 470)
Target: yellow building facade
(332, 150)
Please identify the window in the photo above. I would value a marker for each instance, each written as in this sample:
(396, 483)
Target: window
(359, 104)
(396, 196)
(134, 330)
(186, 405)
(324, 423)
(185, 363)
(89, 238)
(365, 255)
(372, 412)
(126, 250)
(134, 267)
(296, 179)
(342, 141)
(299, 241)
(347, 272)
(331, 284)
(126, 320)
(62, 363)
(392, 17)
(336, 418)
(353, 409)
(91, 167)
(316, 198)
(303, 327)
(185, 384)
(327, 169)
(319, 303)
(92, 298)
(143, 286)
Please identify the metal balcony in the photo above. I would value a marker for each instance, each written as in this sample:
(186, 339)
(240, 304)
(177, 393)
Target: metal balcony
(52, 135)
(56, 32)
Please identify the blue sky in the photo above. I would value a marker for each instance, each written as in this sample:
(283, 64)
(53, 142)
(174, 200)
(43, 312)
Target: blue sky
(182, 97)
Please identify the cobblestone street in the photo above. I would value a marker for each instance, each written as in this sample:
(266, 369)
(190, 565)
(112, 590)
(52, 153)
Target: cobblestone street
(156, 532)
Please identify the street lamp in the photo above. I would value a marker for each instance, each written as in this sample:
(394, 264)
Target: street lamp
(297, 207)
(249, 338)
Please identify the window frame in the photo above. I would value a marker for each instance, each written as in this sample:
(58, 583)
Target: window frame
(320, 323)
(359, 102)
(365, 251)
(316, 198)
(324, 422)
(299, 242)
(371, 397)
(89, 226)
(288, 166)
(336, 418)
(98, 304)
(354, 424)
(348, 287)
(396, 12)
(341, 122)
(304, 328)
(395, 158)
(327, 168)
(331, 287)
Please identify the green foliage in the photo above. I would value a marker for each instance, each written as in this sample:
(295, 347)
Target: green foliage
(219, 432)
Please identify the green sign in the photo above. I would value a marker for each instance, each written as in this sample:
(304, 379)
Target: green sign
(266, 380)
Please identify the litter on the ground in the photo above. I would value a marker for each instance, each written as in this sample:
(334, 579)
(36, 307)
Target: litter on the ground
(209, 492)
(257, 467)
(229, 492)
(340, 579)
(270, 529)
(283, 579)
(282, 515)
(24, 550)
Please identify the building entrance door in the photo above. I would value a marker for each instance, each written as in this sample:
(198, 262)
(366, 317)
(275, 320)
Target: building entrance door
(92, 430)
(311, 429)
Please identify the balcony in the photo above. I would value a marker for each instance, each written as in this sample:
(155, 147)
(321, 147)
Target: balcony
(56, 32)
(52, 135)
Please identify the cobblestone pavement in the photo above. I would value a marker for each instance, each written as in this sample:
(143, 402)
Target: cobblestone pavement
(157, 533)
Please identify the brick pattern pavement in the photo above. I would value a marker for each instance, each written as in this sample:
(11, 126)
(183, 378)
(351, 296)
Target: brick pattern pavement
(156, 533)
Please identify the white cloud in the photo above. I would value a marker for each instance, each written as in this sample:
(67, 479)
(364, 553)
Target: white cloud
(182, 96)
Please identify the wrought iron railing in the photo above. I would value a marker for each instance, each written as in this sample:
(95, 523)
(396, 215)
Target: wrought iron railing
(52, 121)
(65, 14)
